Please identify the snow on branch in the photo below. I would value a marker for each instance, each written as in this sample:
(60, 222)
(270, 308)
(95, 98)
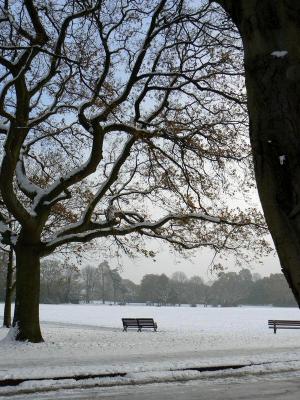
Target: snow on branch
(116, 231)
(279, 53)
(26, 186)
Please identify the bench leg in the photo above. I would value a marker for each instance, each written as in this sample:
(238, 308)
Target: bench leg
(139, 329)
(124, 329)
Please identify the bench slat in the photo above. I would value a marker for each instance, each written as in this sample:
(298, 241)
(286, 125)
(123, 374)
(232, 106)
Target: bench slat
(139, 323)
(283, 324)
(283, 321)
(286, 327)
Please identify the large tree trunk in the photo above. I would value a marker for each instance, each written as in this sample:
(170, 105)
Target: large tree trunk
(270, 31)
(26, 315)
(9, 290)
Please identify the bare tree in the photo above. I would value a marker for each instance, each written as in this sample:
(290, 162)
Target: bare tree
(117, 285)
(104, 278)
(7, 282)
(8, 259)
(116, 124)
(9, 289)
(59, 282)
(91, 279)
(178, 281)
(71, 284)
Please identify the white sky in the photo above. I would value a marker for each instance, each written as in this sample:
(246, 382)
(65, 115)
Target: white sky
(167, 263)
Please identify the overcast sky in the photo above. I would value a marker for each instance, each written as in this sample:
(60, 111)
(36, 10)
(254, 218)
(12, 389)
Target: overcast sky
(166, 262)
(199, 265)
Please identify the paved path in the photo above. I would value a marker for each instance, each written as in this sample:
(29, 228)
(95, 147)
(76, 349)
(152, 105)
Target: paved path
(287, 389)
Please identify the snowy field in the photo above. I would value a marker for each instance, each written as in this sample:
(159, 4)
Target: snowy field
(88, 339)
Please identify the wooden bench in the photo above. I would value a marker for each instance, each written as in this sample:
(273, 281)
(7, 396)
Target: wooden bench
(283, 324)
(139, 323)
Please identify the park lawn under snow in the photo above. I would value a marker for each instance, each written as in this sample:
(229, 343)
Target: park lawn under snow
(88, 339)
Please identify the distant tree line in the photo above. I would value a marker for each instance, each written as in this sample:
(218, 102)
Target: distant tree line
(63, 283)
(230, 289)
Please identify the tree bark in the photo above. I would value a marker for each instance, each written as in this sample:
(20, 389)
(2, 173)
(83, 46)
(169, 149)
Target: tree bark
(270, 31)
(9, 290)
(26, 315)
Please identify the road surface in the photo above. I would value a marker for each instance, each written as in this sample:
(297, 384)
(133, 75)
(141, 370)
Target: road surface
(286, 389)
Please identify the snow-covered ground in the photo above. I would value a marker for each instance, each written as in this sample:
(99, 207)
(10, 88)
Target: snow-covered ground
(88, 340)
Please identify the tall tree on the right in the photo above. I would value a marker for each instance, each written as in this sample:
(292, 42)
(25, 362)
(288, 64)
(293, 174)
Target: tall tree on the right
(270, 31)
